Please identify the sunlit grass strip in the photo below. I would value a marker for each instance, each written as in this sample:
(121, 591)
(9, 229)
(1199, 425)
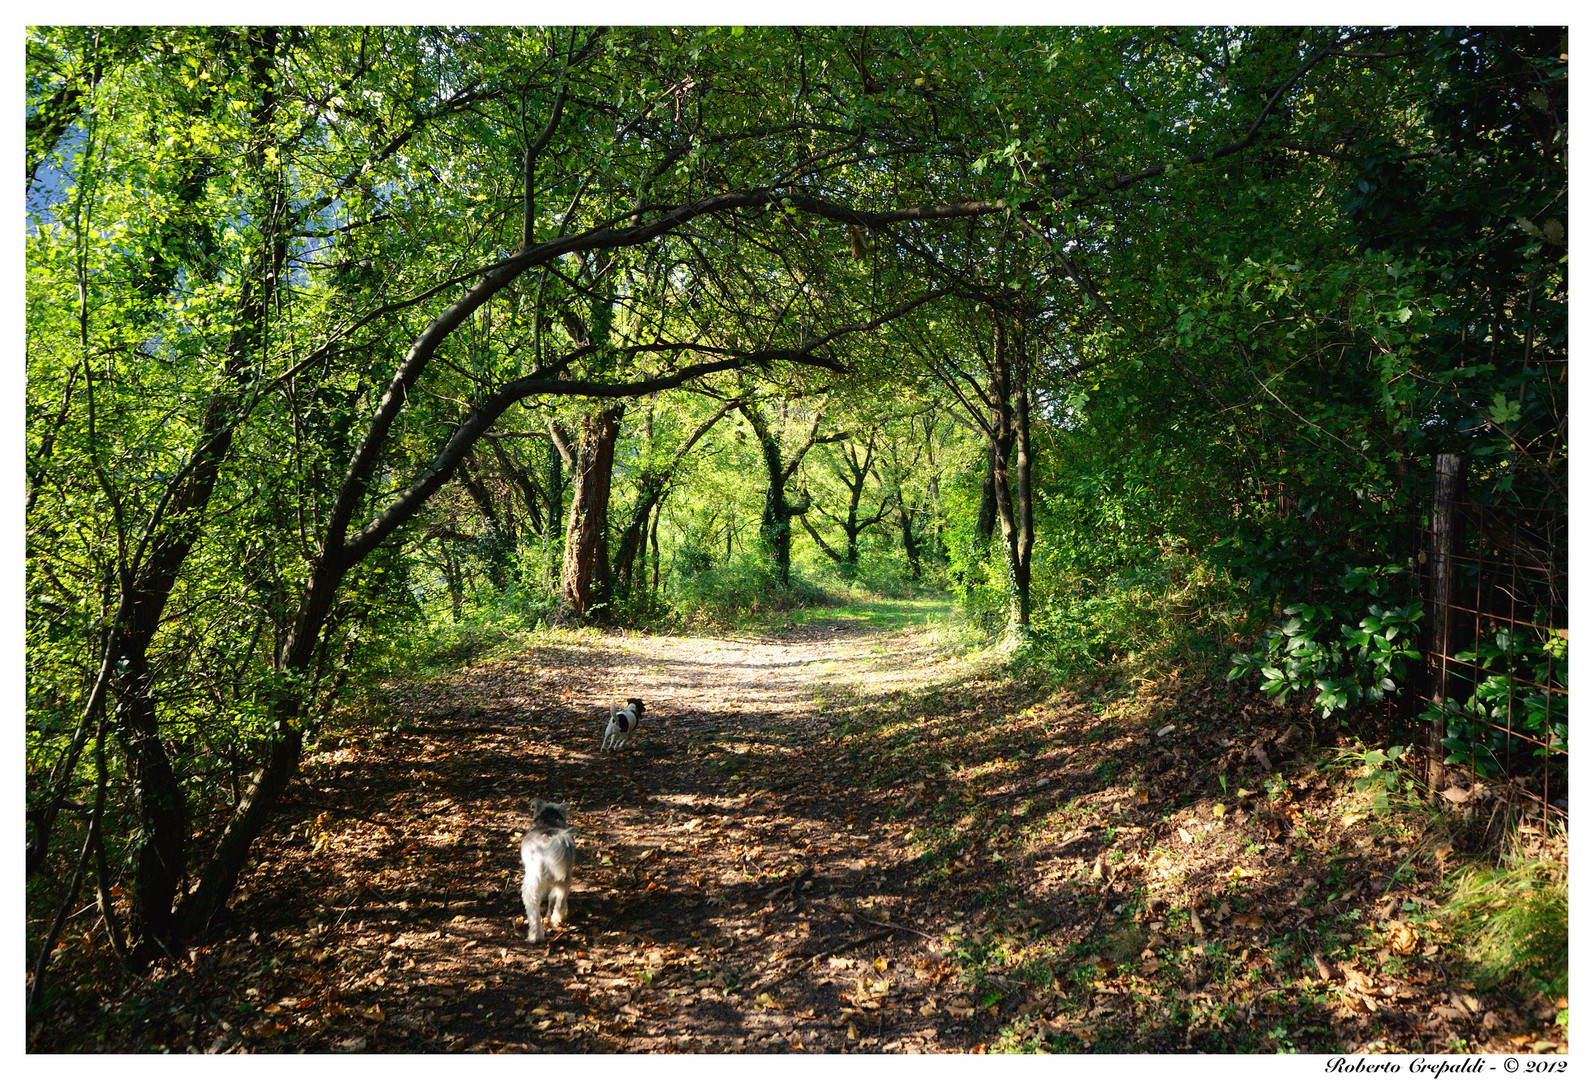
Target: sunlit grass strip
(1512, 920)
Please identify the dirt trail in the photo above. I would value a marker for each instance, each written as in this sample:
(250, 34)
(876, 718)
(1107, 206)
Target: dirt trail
(837, 837)
(734, 890)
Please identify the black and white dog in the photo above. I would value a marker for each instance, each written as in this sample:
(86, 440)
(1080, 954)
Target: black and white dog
(622, 724)
(548, 849)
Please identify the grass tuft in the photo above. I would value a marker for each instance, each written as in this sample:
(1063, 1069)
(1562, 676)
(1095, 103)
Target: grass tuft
(1512, 920)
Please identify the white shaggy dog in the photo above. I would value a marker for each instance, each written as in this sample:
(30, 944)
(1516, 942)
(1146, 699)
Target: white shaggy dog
(548, 849)
(622, 724)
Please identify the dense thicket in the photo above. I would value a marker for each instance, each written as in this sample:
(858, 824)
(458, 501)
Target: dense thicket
(335, 332)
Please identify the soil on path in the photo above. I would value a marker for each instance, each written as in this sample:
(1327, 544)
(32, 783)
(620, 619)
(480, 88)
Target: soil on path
(734, 890)
(837, 837)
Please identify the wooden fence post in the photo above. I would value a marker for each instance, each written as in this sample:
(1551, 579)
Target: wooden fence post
(1445, 525)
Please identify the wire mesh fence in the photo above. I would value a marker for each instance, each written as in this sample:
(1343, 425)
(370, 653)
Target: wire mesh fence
(1497, 699)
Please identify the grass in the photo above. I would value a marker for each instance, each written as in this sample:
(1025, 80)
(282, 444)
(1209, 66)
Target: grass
(878, 613)
(1110, 907)
(1512, 918)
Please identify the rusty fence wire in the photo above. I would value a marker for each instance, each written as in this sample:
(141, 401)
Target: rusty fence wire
(1496, 654)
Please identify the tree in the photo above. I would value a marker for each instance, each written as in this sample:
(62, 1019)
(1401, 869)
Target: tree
(780, 465)
(285, 284)
(371, 187)
(584, 580)
(853, 467)
(653, 483)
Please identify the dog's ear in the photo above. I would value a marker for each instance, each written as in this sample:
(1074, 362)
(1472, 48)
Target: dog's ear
(561, 807)
(636, 703)
(536, 807)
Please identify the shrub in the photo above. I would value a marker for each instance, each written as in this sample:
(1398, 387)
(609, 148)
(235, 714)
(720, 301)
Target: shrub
(1351, 649)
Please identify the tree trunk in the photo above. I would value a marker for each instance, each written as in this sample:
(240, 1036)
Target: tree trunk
(632, 541)
(855, 478)
(454, 579)
(584, 581)
(162, 851)
(526, 484)
(987, 520)
(557, 453)
(498, 553)
(1010, 447)
(161, 860)
(631, 562)
(653, 537)
(910, 543)
(775, 529)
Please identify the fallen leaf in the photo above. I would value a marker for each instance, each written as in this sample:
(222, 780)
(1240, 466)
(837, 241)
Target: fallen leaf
(1323, 969)
(1402, 939)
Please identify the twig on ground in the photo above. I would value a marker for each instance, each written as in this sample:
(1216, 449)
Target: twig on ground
(770, 984)
(895, 926)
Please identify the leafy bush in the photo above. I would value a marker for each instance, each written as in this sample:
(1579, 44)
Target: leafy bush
(1352, 649)
(1520, 686)
(742, 587)
(1169, 609)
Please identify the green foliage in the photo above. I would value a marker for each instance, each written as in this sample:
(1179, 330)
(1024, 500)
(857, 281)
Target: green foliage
(1383, 776)
(741, 589)
(1260, 276)
(1348, 665)
(1154, 616)
(1518, 709)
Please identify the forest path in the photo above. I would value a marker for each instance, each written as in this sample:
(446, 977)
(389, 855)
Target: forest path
(848, 833)
(733, 891)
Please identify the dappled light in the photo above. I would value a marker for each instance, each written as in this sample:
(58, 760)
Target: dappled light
(1039, 539)
(841, 836)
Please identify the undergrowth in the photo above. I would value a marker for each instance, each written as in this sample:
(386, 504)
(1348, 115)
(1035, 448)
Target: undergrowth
(1147, 856)
(1511, 915)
